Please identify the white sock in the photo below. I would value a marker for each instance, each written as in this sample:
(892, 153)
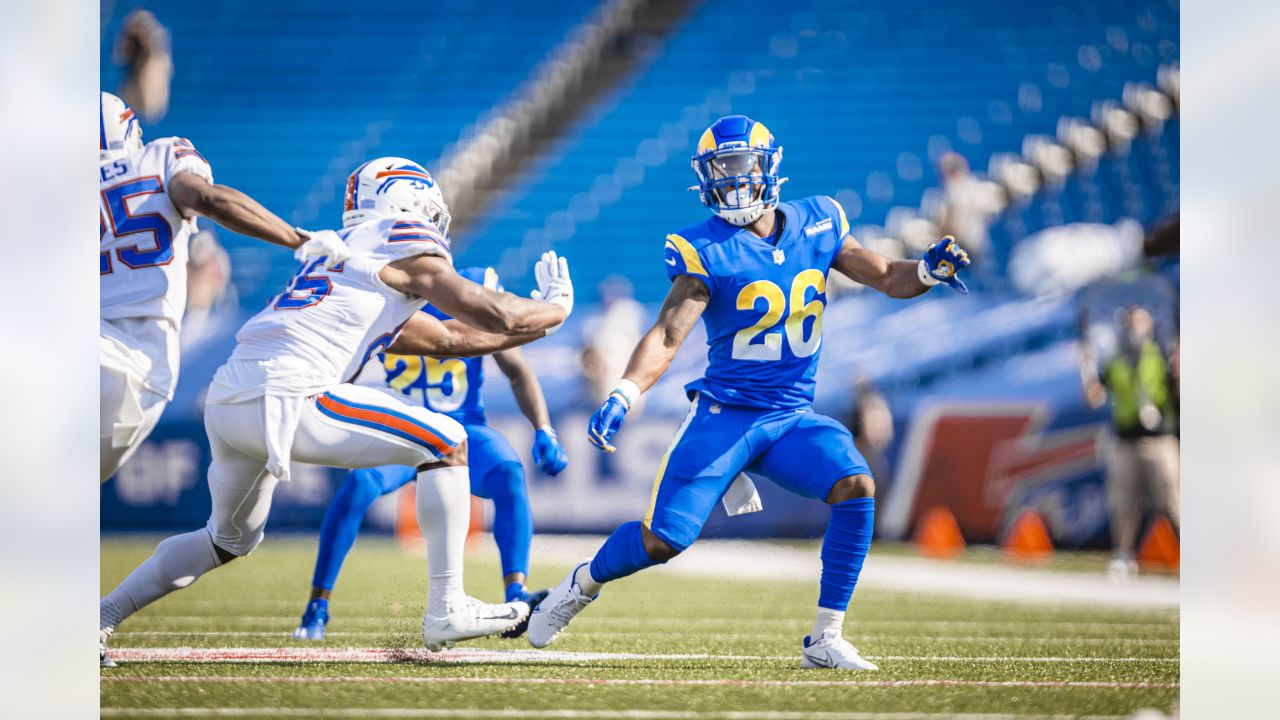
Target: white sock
(828, 620)
(175, 564)
(587, 584)
(444, 515)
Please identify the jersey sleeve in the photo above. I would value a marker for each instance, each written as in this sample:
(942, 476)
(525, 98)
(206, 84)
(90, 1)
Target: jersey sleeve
(839, 222)
(409, 236)
(183, 157)
(682, 258)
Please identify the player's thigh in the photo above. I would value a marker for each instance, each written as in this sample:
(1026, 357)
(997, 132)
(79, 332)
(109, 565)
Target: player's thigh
(129, 413)
(708, 452)
(352, 426)
(488, 451)
(240, 489)
(811, 455)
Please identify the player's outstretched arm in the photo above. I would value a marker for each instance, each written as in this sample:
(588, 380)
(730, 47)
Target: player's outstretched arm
(903, 278)
(232, 209)
(434, 279)
(547, 451)
(427, 335)
(685, 303)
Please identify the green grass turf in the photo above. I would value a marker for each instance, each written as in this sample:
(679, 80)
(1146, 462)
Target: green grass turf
(256, 602)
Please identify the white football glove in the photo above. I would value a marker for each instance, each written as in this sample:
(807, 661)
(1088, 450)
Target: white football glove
(324, 243)
(554, 285)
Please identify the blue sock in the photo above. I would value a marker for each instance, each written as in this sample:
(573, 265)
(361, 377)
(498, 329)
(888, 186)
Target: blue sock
(844, 548)
(621, 555)
(342, 520)
(516, 591)
(512, 519)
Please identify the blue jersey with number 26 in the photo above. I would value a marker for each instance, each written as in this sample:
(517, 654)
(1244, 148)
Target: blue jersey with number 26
(764, 321)
(451, 385)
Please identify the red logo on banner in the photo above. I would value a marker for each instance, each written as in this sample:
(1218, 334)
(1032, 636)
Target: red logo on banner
(975, 458)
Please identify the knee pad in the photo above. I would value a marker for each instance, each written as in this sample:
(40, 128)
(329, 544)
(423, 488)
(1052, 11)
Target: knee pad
(234, 542)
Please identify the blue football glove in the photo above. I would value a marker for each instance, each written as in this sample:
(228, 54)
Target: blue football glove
(547, 452)
(606, 421)
(942, 260)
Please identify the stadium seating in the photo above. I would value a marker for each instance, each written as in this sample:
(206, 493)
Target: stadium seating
(254, 103)
(863, 99)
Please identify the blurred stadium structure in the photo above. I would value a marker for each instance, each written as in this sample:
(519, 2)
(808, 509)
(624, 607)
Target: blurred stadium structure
(569, 126)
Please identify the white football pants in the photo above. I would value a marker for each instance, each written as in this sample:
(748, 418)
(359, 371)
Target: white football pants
(349, 426)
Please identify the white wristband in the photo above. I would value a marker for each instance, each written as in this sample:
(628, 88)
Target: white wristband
(628, 392)
(922, 271)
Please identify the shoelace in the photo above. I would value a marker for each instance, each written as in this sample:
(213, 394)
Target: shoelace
(561, 613)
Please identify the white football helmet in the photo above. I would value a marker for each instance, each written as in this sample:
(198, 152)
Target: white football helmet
(119, 133)
(392, 185)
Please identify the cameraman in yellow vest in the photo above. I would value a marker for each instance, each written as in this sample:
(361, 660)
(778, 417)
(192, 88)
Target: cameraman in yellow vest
(1142, 385)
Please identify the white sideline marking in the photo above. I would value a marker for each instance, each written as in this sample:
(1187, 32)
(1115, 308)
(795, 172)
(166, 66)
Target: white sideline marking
(470, 655)
(733, 636)
(290, 621)
(712, 682)
(572, 714)
(754, 560)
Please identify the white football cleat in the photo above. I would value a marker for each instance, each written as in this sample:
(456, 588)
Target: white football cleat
(833, 651)
(471, 619)
(553, 614)
(103, 635)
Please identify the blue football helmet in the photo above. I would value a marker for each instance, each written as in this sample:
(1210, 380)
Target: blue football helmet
(737, 167)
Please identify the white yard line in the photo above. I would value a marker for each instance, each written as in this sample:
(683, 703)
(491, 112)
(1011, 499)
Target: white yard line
(642, 682)
(396, 655)
(568, 714)
(757, 560)
(612, 621)
(340, 634)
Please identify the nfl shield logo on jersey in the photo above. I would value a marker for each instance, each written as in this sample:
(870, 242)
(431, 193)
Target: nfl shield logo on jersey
(778, 256)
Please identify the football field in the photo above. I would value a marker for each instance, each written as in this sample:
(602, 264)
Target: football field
(662, 644)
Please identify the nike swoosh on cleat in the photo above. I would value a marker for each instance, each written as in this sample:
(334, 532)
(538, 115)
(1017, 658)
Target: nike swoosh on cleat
(512, 615)
(671, 261)
(824, 659)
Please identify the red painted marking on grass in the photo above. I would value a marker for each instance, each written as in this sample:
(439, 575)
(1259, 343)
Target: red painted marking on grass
(718, 682)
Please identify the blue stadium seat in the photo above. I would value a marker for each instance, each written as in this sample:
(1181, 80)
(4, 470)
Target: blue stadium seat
(285, 99)
(863, 99)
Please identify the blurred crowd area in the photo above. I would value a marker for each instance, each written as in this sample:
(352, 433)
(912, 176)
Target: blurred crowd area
(1044, 136)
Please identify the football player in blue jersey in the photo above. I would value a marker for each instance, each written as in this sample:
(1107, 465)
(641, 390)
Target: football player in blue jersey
(755, 273)
(449, 386)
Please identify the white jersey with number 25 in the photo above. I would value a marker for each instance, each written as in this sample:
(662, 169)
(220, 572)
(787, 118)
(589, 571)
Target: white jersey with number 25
(328, 322)
(143, 253)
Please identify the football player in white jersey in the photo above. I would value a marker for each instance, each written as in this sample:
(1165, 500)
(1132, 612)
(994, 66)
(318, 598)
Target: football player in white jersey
(284, 395)
(150, 196)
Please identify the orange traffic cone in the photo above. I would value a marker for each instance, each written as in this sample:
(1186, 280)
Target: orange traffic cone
(407, 531)
(1160, 549)
(938, 535)
(1028, 539)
